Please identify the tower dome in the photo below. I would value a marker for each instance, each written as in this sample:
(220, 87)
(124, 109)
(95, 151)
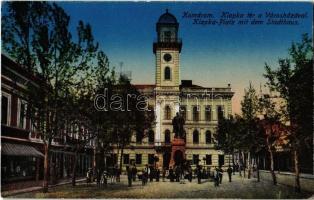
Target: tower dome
(167, 18)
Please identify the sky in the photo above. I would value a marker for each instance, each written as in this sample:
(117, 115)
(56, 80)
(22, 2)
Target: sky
(211, 56)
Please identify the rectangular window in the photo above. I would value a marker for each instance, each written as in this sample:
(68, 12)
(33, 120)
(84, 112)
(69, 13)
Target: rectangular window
(35, 120)
(221, 160)
(139, 137)
(151, 158)
(195, 159)
(22, 115)
(208, 159)
(208, 113)
(126, 159)
(138, 159)
(4, 110)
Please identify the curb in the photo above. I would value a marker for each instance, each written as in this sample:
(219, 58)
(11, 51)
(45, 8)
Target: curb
(33, 189)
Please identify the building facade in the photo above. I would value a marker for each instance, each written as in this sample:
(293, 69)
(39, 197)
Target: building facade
(200, 107)
(22, 147)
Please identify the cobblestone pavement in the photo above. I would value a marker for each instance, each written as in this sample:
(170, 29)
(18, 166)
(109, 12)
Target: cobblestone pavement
(239, 188)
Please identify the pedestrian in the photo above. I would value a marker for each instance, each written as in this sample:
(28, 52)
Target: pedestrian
(104, 179)
(190, 173)
(216, 177)
(182, 175)
(171, 174)
(229, 170)
(98, 177)
(198, 174)
(177, 172)
(143, 177)
(146, 173)
(163, 174)
(157, 175)
(88, 176)
(220, 174)
(134, 172)
(130, 175)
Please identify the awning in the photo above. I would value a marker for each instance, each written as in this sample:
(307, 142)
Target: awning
(19, 150)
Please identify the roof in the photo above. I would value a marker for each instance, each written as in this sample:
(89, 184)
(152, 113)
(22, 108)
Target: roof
(167, 18)
(19, 150)
(145, 86)
(6, 61)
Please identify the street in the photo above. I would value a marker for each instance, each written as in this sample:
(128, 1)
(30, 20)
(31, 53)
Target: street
(239, 188)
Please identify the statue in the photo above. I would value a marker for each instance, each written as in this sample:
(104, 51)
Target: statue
(178, 123)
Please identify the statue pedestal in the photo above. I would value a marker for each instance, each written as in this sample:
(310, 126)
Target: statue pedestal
(177, 151)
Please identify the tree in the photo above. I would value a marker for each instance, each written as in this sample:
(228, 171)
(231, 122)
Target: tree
(249, 108)
(129, 118)
(81, 108)
(36, 34)
(226, 136)
(293, 82)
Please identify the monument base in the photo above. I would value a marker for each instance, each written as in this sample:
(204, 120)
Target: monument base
(177, 151)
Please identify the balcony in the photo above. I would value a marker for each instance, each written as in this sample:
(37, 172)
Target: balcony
(171, 43)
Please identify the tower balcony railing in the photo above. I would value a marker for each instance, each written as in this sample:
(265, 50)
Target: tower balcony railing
(168, 40)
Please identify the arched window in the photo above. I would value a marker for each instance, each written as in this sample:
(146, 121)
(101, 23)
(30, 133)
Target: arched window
(183, 112)
(151, 137)
(208, 114)
(167, 136)
(220, 112)
(167, 73)
(195, 113)
(208, 136)
(167, 112)
(195, 137)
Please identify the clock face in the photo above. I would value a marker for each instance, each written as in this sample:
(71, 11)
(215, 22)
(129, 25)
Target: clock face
(167, 57)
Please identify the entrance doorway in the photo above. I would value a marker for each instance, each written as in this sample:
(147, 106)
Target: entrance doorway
(178, 157)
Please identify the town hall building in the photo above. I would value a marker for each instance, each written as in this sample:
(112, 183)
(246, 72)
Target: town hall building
(198, 105)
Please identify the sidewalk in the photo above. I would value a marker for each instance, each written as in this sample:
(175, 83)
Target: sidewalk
(36, 187)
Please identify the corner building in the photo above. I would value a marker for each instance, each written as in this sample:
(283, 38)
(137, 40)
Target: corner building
(200, 106)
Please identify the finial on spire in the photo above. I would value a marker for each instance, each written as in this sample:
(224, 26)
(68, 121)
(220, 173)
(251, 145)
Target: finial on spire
(166, 10)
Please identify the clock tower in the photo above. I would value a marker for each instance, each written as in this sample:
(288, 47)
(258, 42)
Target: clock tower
(167, 50)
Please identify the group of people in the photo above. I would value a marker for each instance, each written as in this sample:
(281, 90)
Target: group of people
(218, 174)
(102, 177)
(150, 173)
(177, 173)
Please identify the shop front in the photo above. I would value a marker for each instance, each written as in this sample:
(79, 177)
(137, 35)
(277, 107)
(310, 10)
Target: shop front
(19, 162)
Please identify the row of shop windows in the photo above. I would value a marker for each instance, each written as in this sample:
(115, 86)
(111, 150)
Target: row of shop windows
(196, 137)
(16, 167)
(196, 112)
(24, 167)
